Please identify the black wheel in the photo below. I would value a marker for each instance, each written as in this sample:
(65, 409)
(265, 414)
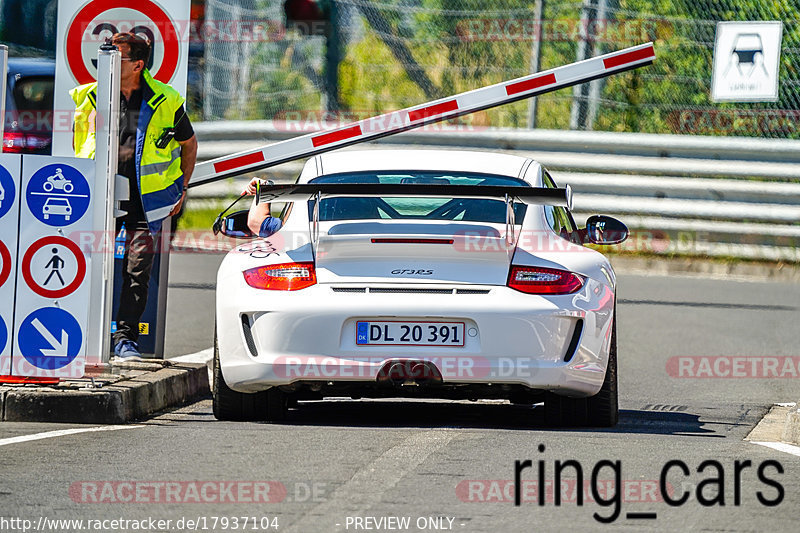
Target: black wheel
(600, 410)
(231, 405)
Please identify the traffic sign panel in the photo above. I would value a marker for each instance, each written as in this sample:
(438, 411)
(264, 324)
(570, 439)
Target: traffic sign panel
(53, 267)
(50, 338)
(83, 25)
(58, 195)
(101, 18)
(10, 165)
(8, 191)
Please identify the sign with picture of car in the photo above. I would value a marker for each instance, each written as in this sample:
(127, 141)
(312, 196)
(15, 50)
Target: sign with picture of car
(58, 195)
(746, 61)
(54, 267)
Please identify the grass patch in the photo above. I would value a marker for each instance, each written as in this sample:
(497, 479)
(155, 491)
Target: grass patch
(198, 219)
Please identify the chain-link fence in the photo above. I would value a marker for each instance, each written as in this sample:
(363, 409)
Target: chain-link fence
(396, 53)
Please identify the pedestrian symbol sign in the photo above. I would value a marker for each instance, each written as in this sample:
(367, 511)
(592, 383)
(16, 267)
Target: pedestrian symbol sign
(53, 267)
(50, 338)
(58, 195)
(57, 263)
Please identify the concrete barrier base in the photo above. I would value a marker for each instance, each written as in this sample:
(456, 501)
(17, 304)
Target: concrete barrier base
(109, 395)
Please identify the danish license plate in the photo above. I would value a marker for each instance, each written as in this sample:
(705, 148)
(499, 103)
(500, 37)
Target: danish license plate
(410, 333)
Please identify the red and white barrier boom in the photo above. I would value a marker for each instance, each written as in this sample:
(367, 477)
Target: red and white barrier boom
(428, 113)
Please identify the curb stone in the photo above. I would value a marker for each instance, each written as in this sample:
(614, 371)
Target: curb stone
(791, 428)
(124, 401)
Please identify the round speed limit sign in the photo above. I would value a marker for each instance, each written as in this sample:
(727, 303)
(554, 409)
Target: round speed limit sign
(99, 19)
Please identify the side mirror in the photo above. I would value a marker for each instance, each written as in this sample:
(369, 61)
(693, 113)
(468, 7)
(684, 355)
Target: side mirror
(602, 229)
(233, 225)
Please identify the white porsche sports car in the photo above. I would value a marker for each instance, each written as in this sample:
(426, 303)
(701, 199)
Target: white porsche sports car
(419, 273)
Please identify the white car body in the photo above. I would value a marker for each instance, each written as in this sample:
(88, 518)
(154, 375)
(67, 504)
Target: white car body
(516, 344)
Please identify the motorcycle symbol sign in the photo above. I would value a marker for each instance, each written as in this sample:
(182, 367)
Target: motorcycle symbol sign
(58, 181)
(58, 195)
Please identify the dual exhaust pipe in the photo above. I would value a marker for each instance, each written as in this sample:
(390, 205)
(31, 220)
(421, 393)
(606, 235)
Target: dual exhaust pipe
(409, 372)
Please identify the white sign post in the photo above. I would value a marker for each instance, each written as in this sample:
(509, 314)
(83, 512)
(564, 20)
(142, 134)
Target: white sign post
(106, 148)
(746, 61)
(84, 25)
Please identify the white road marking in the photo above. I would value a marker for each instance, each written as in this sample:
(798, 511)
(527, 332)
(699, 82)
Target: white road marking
(368, 485)
(781, 447)
(61, 433)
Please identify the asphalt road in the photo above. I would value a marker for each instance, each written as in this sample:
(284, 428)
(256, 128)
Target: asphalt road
(351, 465)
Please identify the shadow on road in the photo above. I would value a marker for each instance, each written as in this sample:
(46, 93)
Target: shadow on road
(420, 414)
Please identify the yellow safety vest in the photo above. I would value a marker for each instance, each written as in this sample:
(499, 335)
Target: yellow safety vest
(158, 170)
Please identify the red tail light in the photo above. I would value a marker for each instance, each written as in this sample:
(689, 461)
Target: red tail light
(284, 277)
(538, 280)
(16, 142)
(13, 142)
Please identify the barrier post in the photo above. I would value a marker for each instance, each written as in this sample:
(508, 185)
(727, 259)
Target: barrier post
(107, 145)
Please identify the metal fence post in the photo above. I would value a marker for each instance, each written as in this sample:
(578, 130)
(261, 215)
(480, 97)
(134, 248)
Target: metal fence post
(536, 53)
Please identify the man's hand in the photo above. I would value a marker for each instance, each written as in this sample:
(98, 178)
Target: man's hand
(177, 208)
(250, 188)
(188, 159)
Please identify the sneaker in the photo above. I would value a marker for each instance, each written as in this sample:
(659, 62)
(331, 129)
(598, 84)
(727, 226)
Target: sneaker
(126, 351)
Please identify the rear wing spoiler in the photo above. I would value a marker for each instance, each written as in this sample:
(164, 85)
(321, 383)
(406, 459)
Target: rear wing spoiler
(311, 191)
(509, 194)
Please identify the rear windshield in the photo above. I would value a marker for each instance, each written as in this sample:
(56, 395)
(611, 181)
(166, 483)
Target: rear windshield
(33, 99)
(463, 209)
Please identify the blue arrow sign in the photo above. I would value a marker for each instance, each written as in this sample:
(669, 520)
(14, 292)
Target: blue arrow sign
(58, 194)
(50, 338)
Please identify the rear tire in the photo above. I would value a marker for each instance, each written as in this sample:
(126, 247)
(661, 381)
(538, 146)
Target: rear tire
(600, 410)
(239, 406)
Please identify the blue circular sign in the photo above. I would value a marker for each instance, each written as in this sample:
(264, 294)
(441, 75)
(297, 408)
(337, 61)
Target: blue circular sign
(3, 334)
(50, 338)
(58, 195)
(7, 191)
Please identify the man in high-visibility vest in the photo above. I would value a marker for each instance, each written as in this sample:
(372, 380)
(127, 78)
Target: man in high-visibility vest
(157, 153)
